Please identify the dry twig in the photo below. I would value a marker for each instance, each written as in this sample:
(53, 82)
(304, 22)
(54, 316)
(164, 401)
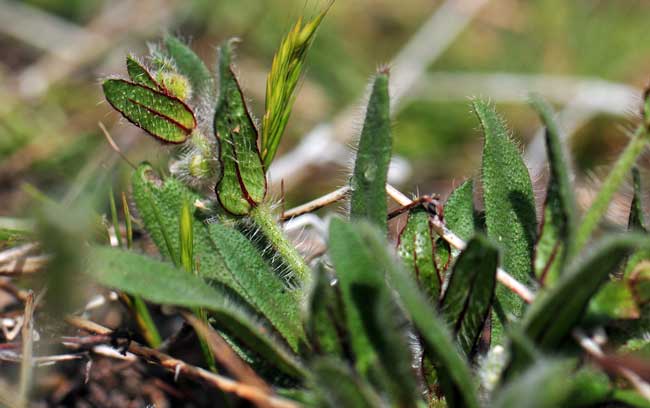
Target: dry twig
(254, 394)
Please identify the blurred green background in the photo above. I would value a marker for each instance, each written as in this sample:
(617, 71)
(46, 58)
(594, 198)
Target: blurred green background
(52, 54)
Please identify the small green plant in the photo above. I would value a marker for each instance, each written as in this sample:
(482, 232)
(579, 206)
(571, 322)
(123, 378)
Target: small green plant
(439, 316)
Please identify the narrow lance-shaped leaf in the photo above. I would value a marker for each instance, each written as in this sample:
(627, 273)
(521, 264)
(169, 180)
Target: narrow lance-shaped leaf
(467, 300)
(552, 383)
(221, 254)
(368, 181)
(282, 81)
(162, 283)
(325, 321)
(243, 184)
(163, 116)
(382, 321)
(454, 375)
(459, 211)
(416, 248)
(354, 266)
(139, 74)
(552, 316)
(509, 208)
(636, 222)
(190, 65)
(341, 388)
(367, 298)
(557, 230)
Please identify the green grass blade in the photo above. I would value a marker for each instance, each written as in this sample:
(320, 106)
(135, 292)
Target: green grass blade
(165, 117)
(509, 207)
(189, 65)
(469, 295)
(127, 221)
(416, 248)
(558, 228)
(368, 200)
(243, 184)
(161, 283)
(186, 236)
(146, 323)
(281, 83)
(186, 240)
(116, 223)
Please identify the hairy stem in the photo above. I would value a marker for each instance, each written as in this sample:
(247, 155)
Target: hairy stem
(264, 219)
(613, 182)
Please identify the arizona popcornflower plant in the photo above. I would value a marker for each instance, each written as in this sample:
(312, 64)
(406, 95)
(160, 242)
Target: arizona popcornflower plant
(464, 306)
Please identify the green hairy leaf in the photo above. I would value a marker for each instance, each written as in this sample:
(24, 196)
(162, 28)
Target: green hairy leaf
(355, 266)
(243, 184)
(459, 211)
(470, 292)
(380, 317)
(554, 313)
(509, 207)
(163, 116)
(416, 248)
(550, 384)
(261, 287)
(454, 375)
(189, 65)
(325, 315)
(222, 254)
(162, 283)
(282, 81)
(558, 225)
(139, 74)
(368, 181)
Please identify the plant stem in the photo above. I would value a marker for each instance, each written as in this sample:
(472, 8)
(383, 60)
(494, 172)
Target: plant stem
(264, 219)
(613, 182)
(317, 203)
